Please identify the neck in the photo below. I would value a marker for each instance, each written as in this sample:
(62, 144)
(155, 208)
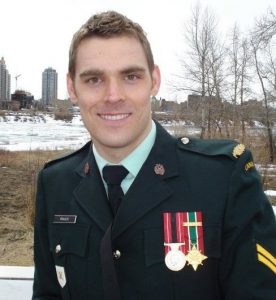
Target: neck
(116, 154)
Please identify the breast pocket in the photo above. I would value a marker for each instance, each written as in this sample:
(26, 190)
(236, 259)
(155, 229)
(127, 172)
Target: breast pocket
(69, 247)
(68, 239)
(187, 280)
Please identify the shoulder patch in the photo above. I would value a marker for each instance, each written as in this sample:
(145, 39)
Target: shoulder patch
(229, 148)
(66, 156)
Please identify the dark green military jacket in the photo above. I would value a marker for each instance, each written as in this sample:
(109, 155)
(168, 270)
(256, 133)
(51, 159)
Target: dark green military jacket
(216, 178)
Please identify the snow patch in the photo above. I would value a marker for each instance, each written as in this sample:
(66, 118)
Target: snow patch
(270, 192)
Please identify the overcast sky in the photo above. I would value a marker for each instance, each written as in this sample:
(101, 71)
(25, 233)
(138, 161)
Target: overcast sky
(36, 34)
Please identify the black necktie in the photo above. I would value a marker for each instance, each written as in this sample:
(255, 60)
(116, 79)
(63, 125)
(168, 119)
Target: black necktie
(113, 176)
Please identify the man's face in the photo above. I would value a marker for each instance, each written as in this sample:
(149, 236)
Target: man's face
(112, 87)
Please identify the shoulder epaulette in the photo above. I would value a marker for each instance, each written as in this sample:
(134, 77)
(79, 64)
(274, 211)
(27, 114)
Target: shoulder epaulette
(66, 156)
(229, 148)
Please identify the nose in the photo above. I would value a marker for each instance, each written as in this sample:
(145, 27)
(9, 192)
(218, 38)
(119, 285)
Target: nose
(114, 90)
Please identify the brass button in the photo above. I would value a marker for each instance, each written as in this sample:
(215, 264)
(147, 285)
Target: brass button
(117, 254)
(58, 249)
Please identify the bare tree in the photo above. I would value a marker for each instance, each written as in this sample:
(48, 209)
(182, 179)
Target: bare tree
(270, 71)
(234, 52)
(265, 27)
(256, 48)
(244, 80)
(199, 68)
(238, 76)
(215, 79)
(262, 43)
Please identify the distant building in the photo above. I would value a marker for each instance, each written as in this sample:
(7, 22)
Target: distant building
(5, 82)
(25, 99)
(195, 101)
(168, 106)
(49, 86)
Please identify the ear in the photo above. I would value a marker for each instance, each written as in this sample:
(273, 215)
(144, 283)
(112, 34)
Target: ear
(71, 89)
(156, 80)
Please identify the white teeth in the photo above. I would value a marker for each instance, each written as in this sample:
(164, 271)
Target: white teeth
(114, 117)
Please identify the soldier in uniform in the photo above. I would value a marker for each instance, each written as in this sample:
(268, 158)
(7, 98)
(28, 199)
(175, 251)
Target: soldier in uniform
(190, 221)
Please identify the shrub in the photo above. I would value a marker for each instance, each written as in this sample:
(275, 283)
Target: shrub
(64, 116)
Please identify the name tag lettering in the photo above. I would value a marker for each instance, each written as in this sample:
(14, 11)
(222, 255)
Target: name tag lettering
(71, 219)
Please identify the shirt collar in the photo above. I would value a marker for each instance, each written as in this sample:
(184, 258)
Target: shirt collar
(134, 161)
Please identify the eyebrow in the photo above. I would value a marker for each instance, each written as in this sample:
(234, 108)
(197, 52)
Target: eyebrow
(133, 69)
(99, 72)
(91, 72)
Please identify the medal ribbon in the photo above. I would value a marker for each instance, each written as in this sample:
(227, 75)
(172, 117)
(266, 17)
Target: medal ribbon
(193, 231)
(183, 227)
(173, 230)
(167, 230)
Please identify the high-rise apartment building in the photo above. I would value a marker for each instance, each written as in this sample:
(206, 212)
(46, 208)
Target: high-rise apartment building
(49, 86)
(5, 82)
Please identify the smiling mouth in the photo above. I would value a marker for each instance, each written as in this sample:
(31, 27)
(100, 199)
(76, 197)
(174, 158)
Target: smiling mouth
(114, 117)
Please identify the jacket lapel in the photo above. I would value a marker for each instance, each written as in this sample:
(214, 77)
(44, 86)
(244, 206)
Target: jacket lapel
(149, 188)
(90, 193)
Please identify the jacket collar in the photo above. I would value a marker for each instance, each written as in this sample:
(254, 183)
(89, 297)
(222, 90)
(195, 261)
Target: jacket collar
(90, 194)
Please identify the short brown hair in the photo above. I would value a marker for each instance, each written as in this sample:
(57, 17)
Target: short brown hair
(106, 25)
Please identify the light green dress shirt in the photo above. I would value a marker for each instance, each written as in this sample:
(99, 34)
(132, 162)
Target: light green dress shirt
(133, 162)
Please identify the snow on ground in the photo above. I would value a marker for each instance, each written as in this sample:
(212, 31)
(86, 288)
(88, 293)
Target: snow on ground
(13, 273)
(16, 282)
(270, 193)
(41, 132)
(16, 289)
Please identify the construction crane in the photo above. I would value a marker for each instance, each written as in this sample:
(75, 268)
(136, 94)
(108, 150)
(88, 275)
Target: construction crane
(16, 77)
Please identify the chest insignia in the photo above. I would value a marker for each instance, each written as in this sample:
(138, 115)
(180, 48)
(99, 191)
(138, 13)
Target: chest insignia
(61, 276)
(159, 169)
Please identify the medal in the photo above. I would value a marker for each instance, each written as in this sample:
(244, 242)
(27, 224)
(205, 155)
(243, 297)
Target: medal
(175, 259)
(193, 231)
(183, 240)
(195, 258)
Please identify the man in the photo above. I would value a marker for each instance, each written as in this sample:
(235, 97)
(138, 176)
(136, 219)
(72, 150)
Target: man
(191, 221)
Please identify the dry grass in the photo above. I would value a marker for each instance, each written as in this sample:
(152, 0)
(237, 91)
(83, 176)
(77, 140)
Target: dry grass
(18, 173)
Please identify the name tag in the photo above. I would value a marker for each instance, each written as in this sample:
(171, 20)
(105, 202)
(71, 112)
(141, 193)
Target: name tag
(65, 219)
